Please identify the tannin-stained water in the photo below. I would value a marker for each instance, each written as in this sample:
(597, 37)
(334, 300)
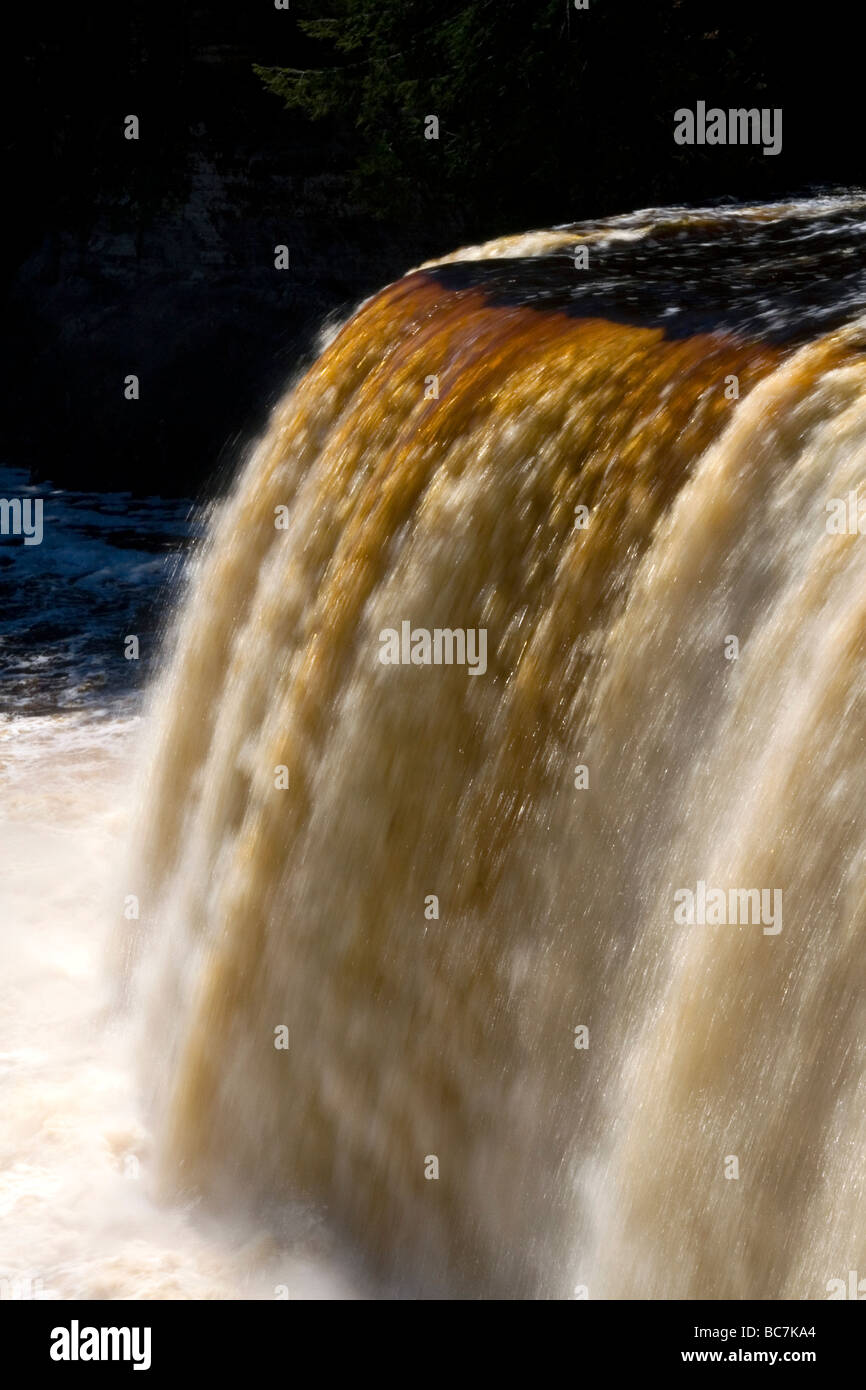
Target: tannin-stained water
(512, 1068)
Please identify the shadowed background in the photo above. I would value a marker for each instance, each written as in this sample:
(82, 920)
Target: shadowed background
(156, 257)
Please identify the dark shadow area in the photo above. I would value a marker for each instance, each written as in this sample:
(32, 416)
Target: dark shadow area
(155, 257)
(781, 281)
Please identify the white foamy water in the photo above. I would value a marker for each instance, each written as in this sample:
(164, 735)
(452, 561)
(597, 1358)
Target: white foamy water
(76, 1216)
(299, 902)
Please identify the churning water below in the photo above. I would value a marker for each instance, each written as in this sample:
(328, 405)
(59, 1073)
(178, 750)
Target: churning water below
(616, 467)
(76, 1217)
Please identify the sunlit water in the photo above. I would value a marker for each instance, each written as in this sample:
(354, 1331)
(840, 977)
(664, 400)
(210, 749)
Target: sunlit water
(76, 1216)
(154, 1143)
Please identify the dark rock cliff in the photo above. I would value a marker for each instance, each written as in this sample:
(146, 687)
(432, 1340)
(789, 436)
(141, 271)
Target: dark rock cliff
(156, 257)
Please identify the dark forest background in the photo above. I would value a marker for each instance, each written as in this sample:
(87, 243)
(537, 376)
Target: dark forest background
(156, 257)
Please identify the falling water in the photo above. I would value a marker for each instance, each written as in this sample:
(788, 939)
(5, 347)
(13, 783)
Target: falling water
(586, 1070)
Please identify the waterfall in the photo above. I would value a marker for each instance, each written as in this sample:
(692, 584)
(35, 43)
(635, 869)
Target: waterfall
(410, 948)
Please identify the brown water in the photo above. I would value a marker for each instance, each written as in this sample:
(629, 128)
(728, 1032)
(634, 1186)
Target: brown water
(711, 1047)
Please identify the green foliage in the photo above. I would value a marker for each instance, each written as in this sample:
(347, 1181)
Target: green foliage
(387, 64)
(546, 112)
